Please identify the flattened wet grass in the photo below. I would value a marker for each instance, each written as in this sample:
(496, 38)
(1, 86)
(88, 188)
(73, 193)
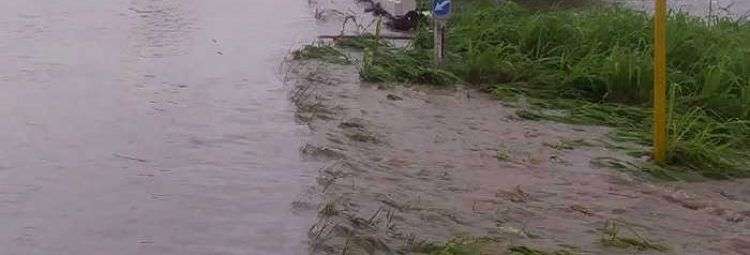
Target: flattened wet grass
(486, 245)
(525, 250)
(613, 237)
(323, 52)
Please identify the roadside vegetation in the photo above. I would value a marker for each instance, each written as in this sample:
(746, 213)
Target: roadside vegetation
(478, 246)
(594, 62)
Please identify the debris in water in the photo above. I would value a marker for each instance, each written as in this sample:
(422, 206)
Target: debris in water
(129, 158)
(582, 209)
(614, 238)
(503, 155)
(393, 97)
(517, 195)
(406, 22)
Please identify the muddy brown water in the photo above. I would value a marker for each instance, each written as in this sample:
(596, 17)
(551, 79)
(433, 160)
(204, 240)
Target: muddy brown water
(161, 127)
(149, 127)
(410, 167)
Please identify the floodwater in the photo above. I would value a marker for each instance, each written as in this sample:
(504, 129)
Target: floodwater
(149, 127)
(413, 165)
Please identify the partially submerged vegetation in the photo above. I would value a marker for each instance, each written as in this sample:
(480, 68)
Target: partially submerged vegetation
(595, 64)
(322, 52)
(613, 237)
(478, 246)
(402, 65)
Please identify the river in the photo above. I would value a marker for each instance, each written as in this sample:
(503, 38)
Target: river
(149, 127)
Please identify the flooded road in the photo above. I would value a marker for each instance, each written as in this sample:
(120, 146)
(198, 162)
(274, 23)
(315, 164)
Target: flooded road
(149, 127)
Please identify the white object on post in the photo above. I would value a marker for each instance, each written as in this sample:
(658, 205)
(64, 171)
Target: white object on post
(398, 7)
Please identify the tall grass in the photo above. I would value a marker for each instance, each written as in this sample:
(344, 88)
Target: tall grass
(603, 54)
(383, 64)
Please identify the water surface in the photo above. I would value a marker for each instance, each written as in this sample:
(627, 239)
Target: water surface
(149, 127)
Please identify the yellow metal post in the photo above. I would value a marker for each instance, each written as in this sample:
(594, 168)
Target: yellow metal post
(660, 81)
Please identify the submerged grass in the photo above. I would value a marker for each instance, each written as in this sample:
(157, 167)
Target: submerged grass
(323, 52)
(525, 250)
(478, 246)
(716, 149)
(613, 237)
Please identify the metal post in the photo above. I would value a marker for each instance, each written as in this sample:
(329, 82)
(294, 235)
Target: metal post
(439, 42)
(441, 11)
(660, 81)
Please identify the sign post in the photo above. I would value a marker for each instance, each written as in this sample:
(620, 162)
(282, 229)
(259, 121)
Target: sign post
(660, 81)
(441, 11)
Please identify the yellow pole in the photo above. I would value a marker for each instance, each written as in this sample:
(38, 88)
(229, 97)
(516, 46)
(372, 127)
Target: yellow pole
(660, 81)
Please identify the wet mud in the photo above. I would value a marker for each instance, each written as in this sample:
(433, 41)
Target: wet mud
(411, 166)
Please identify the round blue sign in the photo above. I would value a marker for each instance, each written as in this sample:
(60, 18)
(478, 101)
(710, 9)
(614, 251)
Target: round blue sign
(441, 9)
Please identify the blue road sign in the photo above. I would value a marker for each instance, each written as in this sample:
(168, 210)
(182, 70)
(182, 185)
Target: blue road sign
(441, 9)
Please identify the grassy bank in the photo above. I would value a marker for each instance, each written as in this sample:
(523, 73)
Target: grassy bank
(594, 62)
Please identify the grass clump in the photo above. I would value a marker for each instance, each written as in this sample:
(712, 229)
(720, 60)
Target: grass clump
(568, 144)
(402, 65)
(328, 210)
(478, 246)
(525, 250)
(503, 154)
(362, 42)
(613, 238)
(323, 52)
(716, 149)
(459, 246)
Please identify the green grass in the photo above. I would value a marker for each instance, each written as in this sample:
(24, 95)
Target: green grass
(613, 237)
(602, 54)
(525, 250)
(478, 246)
(458, 246)
(323, 52)
(361, 42)
(402, 65)
(698, 143)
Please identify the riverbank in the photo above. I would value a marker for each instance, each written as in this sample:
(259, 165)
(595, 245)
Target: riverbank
(448, 170)
(594, 63)
(420, 170)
